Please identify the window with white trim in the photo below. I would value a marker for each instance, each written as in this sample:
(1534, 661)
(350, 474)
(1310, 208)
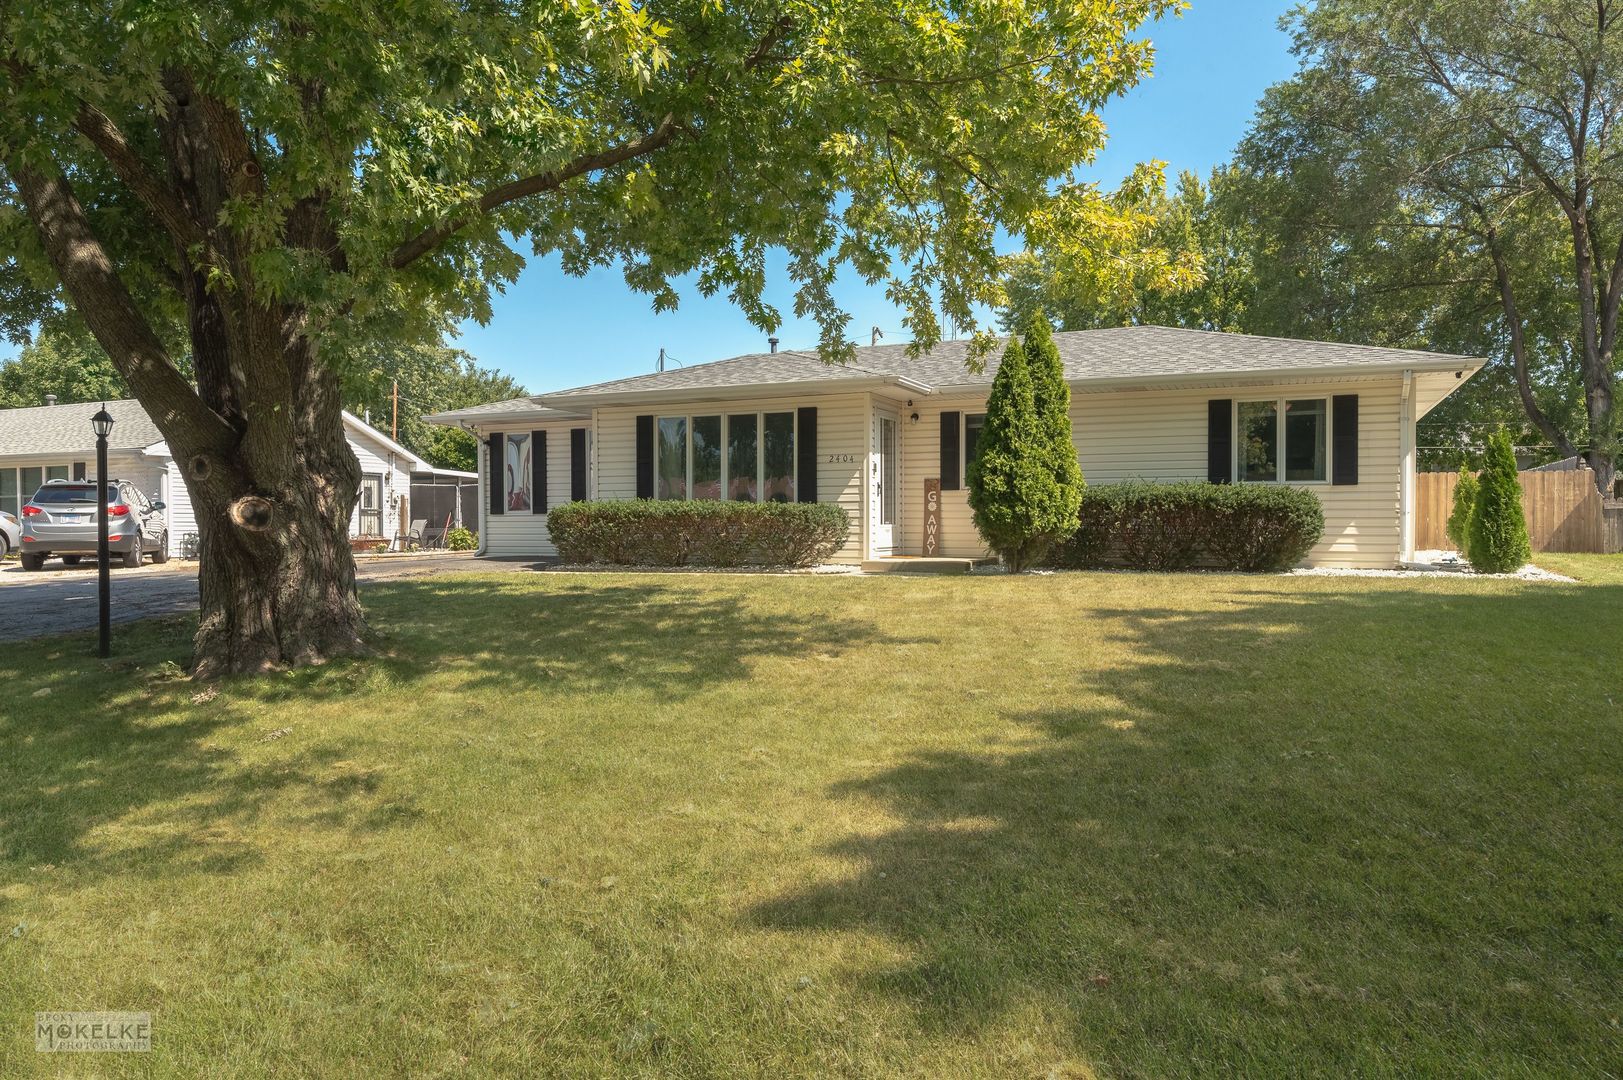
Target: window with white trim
(973, 423)
(743, 457)
(1282, 440)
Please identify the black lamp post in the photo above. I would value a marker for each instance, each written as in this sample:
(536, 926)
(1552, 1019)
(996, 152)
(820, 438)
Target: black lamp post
(102, 425)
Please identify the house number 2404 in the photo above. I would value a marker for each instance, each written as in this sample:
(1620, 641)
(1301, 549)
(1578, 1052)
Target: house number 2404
(841, 459)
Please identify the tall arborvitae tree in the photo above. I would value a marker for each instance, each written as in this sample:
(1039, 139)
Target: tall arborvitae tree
(1021, 500)
(1051, 397)
(1459, 516)
(1498, 533)
(282, 180)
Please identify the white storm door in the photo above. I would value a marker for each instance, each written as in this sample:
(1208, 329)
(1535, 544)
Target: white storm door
(884, 486)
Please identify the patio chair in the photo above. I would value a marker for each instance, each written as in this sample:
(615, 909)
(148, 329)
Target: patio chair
(413, 537)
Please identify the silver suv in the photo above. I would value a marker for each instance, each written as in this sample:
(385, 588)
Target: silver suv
(61, 520)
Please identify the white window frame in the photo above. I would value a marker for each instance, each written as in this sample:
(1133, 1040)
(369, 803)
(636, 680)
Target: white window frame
(963, 443)
(726, 433)
(1279, 440)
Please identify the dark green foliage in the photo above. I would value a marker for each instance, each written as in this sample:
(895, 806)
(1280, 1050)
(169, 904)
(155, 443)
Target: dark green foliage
(677, 532)
(1459, 518)
(1498, 531)
(1024, 481)
(1147, 526)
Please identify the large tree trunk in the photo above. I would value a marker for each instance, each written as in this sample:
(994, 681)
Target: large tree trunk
(276, 585)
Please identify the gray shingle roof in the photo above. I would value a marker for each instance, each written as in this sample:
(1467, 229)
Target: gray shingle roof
(1129, 352)
(65, 429)
(509, 409)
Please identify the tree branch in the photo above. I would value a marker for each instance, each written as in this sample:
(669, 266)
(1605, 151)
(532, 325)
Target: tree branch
(1518, 348)
(435, 235)
(104, 135)
(100, 296)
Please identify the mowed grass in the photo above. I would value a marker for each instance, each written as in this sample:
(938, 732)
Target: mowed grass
(683, 825)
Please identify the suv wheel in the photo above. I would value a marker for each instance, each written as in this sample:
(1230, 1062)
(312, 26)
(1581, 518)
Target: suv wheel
(160, 554)
(132, 557)
(33, 560)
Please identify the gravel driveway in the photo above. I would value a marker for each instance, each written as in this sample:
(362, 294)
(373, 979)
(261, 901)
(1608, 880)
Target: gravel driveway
(61, 600)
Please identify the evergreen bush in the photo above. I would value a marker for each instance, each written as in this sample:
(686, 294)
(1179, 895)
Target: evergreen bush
(695, 532)
(1148, 526)
(1498, 532)
(1024, 481)
(1459, 517)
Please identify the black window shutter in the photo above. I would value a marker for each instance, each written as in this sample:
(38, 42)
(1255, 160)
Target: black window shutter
(497, 471)
(78, 470)
(577, 464)
(951, 430)
(1220, 440)
(538, 472)
(806, 457)
(645, 457)
(1344, 432)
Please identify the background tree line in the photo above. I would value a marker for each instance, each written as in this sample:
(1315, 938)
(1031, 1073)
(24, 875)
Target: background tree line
(1438, 176)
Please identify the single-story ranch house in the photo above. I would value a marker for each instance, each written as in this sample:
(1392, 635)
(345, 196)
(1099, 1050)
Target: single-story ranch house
(54, 442)
(878, 434)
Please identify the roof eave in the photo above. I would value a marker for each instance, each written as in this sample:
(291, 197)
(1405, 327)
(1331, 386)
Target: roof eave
(462, 418)
(1468, 366)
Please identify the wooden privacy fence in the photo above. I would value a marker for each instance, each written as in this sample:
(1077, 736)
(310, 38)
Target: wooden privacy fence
(1564, 512)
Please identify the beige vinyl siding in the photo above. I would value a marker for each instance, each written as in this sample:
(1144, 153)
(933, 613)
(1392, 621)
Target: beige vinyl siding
(842, 433)
(1161, 435)
(525, 532)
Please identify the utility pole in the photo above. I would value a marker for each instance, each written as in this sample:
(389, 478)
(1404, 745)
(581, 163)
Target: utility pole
(394, 420)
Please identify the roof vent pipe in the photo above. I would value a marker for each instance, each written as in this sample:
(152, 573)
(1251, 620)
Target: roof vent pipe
(772, 343)
(50, 399)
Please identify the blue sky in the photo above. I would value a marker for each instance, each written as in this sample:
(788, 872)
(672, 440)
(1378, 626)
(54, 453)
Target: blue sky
(553, 331)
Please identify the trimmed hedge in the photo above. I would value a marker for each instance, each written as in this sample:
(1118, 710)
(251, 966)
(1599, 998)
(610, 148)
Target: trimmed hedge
(1147, 526)
(649, 532)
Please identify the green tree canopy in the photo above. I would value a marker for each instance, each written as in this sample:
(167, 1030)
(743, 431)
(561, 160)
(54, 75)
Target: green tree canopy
(432, 378)
(286, 182)
(63, 363)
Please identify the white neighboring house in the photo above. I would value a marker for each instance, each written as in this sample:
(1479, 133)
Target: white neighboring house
(54, 442)
(888, 435)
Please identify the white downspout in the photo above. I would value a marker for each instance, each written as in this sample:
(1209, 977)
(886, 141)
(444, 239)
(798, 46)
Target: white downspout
(483, 461)
(1406, 480)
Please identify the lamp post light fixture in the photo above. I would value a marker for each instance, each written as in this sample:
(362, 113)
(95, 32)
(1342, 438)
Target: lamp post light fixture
(102, 425)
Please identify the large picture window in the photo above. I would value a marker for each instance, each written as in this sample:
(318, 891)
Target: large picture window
(1284, 439)
(745, 457)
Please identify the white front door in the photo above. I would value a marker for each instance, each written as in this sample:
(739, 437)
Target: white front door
(884, 486)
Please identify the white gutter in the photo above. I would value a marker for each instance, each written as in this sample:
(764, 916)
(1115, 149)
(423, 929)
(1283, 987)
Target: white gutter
(1406, 478)
(1348, 372)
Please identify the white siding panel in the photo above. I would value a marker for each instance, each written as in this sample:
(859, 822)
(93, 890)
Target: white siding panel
(178, 508)
(1161, 435)
(525, 534)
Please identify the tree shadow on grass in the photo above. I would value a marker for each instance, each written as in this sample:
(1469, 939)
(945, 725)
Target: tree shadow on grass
(132, 777)
(1311, 829)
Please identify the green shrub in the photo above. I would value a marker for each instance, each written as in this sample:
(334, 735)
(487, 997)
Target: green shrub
(1148, 526)
(1459, 518)
(1498, 532)
(649, 532)
(1024, 481)
(461, 539)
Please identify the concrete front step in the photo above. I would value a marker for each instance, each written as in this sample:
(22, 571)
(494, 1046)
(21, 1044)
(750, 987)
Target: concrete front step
(905, 564)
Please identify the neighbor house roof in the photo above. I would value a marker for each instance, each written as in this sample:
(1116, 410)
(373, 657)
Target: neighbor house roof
(1127, 354)
(65, 429)
(512, 409)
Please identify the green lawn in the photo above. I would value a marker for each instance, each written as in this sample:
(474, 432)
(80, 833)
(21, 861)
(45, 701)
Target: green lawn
(1088, 824)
